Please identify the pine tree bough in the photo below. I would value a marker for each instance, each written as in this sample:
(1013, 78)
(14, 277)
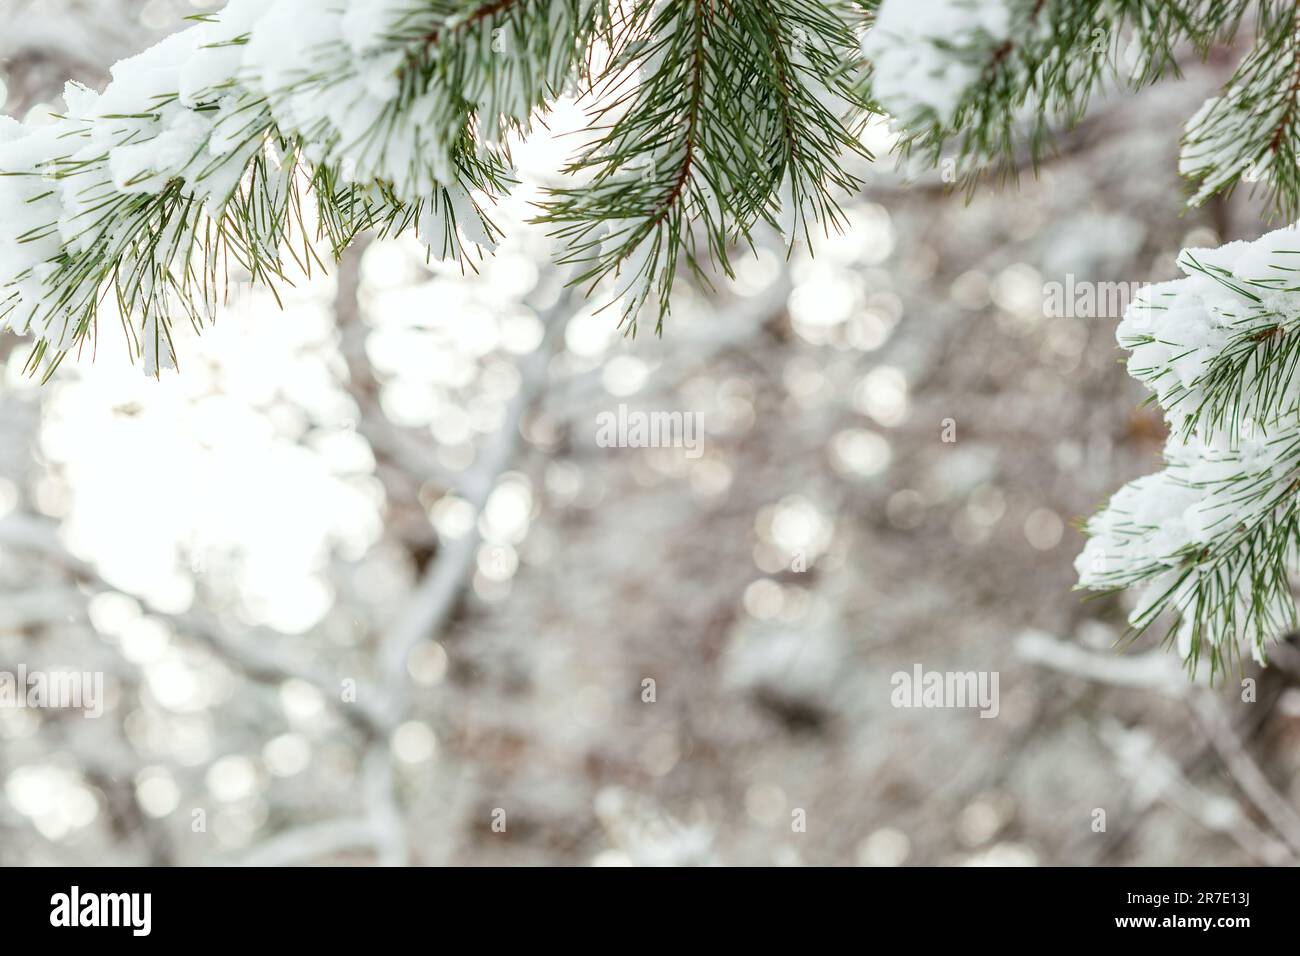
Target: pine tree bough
(1212, 540)
(1214, 536)
(272, 133)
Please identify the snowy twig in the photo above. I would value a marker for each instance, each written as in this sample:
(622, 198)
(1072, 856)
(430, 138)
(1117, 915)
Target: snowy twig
(431, 603)
(1156, 775)
(427, 612)
(1247, 774)
(255, 659)
(1159, 672)
(1151, 671)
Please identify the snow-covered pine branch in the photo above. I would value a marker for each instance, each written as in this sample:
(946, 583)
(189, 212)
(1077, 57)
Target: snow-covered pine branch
(201, 150)
(978, 79)
(744, 114)
(1252, 130)
(1215, 537)
(260, 130)
(246, 138)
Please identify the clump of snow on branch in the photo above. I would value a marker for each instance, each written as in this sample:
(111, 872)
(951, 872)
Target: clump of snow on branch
(396, 115)
(1212, 536)
(131, 197)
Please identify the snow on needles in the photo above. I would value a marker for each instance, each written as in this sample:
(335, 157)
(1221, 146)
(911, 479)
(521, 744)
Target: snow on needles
(928, 53)
(1212, 537)
(127, 187)
(1214, 347)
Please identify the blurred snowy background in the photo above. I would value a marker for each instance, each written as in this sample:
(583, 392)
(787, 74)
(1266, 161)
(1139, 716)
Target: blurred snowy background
(365, 589)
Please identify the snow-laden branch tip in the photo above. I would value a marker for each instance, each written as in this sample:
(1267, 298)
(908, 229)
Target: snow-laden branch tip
(265, 137)
(1213, 538)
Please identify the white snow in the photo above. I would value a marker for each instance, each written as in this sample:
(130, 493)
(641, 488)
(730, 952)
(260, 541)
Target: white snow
(194, 109)
(1223, 475)
(926, 54)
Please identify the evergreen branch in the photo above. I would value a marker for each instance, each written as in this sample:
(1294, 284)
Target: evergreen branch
(268, 131)
(976, 79)
(1251, 132)
(203, 152)
(1227, 580)
(743, 113)
(1215, 537)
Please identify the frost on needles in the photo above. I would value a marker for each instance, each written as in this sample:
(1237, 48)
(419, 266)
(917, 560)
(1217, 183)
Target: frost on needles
(272, 133)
